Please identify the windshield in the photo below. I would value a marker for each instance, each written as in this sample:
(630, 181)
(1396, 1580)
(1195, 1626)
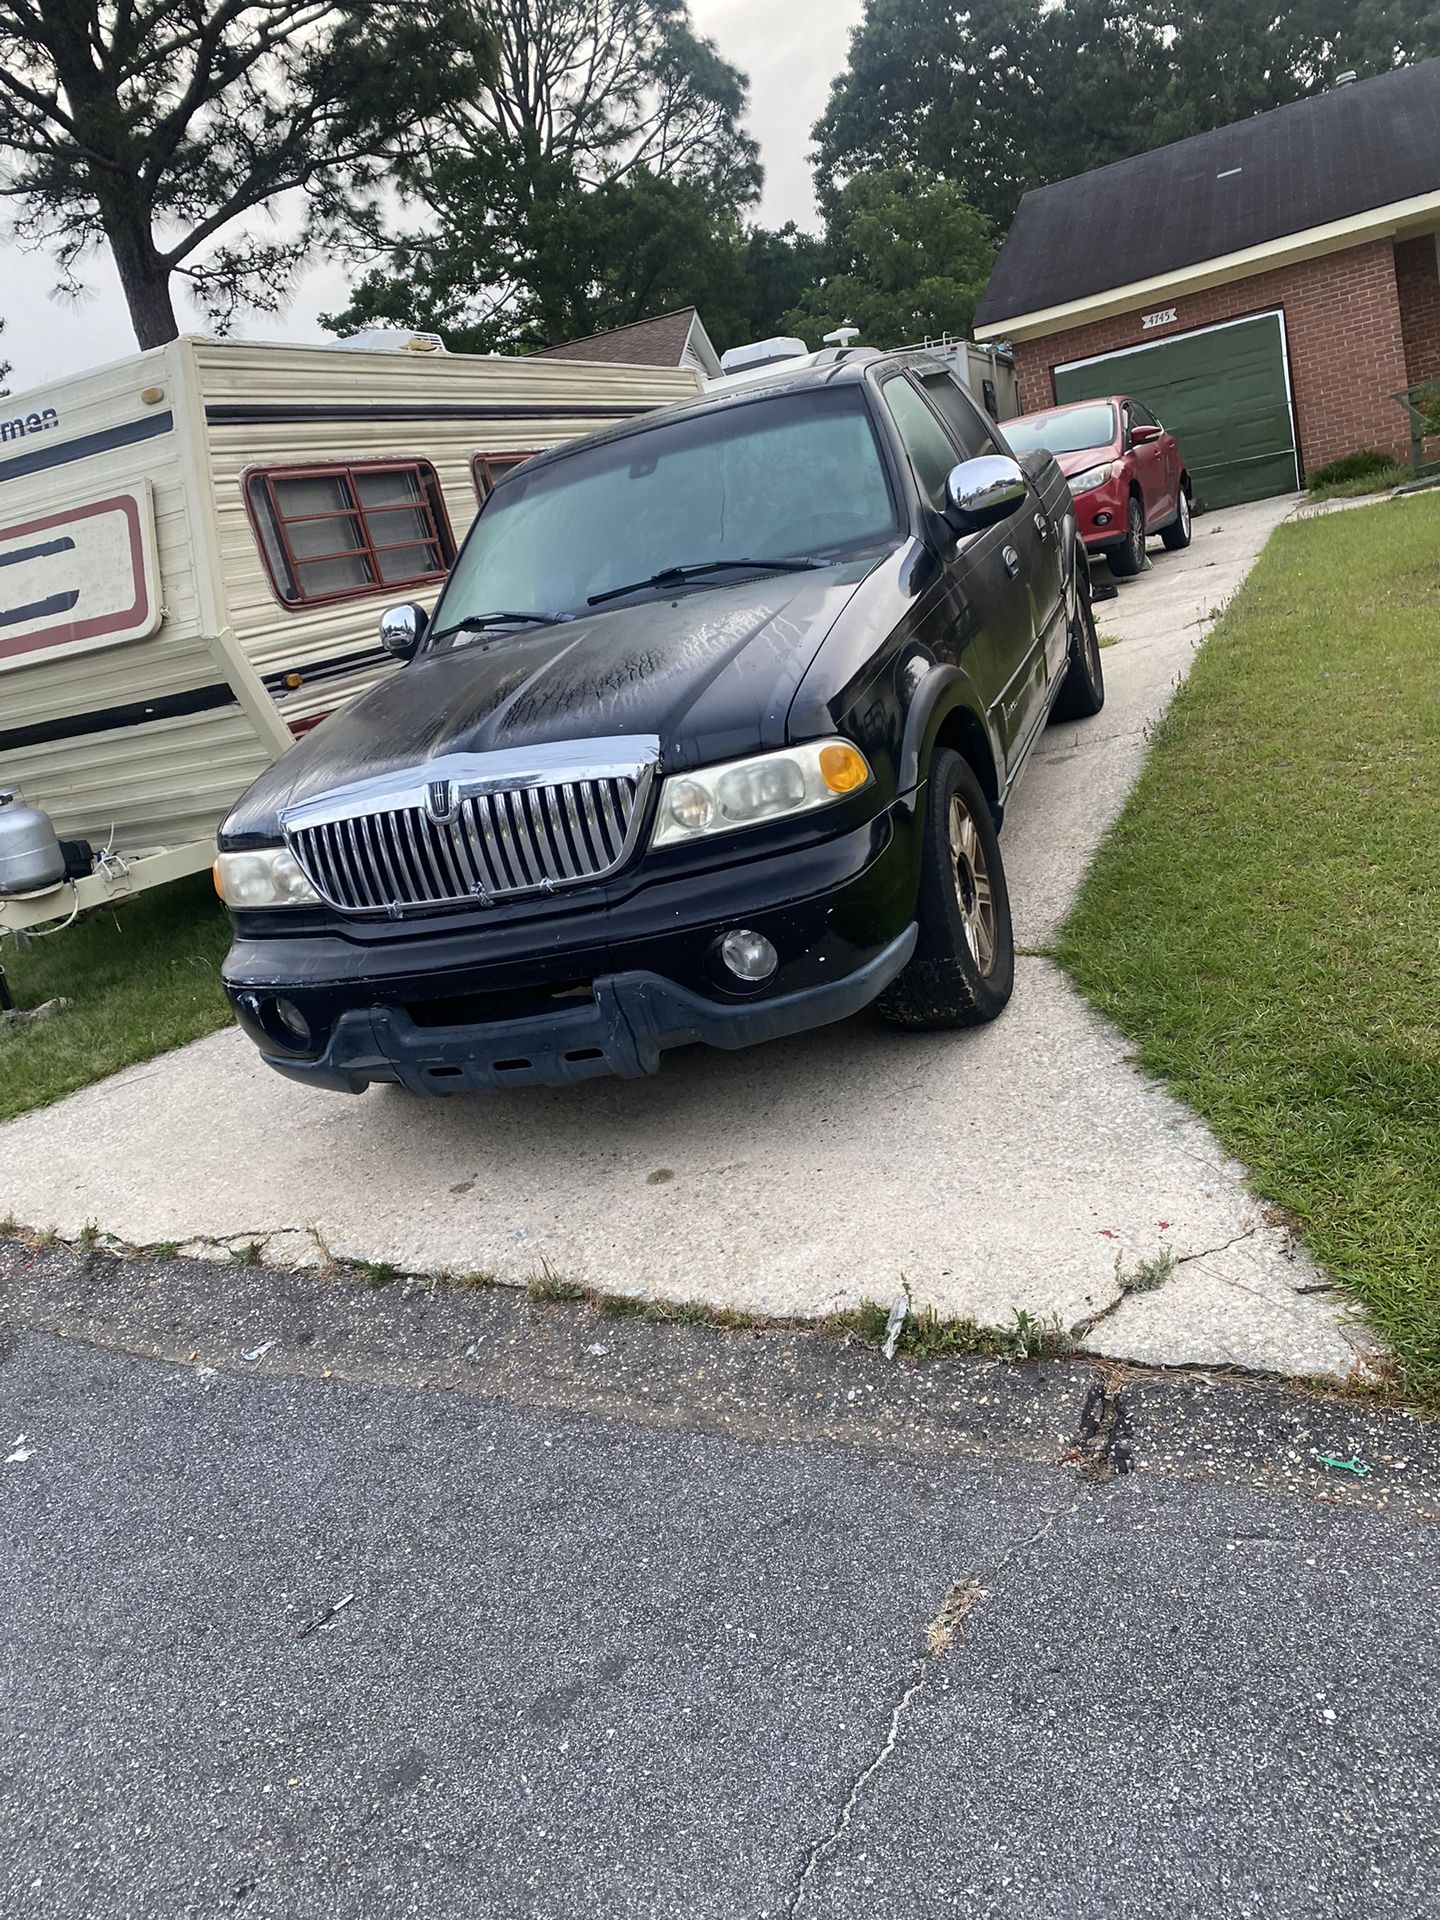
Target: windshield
(1073, 431)
(796, 475)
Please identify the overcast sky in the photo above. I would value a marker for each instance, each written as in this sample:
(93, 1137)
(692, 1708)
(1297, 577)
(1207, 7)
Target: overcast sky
(791, 49)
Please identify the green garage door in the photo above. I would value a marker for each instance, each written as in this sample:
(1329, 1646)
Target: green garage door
(1222, 392)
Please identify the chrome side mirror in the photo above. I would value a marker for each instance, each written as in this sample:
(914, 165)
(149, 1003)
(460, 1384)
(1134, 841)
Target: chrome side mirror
(980, 492)
(402, 629)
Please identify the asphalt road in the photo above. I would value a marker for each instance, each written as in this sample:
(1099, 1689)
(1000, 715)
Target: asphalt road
(649, 1620)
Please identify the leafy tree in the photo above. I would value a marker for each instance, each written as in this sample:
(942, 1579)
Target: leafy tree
(776, 267)
(908, 258)
(594, 89)
(599, 115)
(1003, 95)
(624, 250)
(155, 126)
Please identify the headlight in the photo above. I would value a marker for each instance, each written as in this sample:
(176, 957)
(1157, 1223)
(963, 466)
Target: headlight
(1092, 477)
(263, 877)
(741, 793)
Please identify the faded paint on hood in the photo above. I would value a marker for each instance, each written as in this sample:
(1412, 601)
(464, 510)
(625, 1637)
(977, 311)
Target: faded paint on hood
(711, 673)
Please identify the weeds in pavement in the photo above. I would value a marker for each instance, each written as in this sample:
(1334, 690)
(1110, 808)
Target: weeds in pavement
(620, 1306)
(548, 1285)
(1028, 1336)
(1147, 1274)
(942, 1631)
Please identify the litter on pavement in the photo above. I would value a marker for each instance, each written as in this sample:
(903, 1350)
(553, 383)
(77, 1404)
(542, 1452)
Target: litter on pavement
(1353, 1465)
(324, 1619)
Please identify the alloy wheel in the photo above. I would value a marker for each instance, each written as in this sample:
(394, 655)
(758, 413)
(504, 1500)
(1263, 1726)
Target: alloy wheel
(972, 885)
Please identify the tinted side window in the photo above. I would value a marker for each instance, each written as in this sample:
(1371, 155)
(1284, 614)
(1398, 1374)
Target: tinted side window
(1141, 416)
(959, 413)
(931, 453)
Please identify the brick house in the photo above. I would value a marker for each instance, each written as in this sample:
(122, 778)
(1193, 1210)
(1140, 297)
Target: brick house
(1265, 288)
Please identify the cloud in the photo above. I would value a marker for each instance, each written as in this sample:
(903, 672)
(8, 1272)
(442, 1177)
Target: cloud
(792, 50)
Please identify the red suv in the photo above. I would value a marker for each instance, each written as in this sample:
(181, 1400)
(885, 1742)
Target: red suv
(1124, 469)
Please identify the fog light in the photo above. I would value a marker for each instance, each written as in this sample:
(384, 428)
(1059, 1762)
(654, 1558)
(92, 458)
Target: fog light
(1103, 519)
(292, 1023)
(749, 956)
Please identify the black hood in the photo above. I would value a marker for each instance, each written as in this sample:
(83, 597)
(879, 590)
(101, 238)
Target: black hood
(711, 674)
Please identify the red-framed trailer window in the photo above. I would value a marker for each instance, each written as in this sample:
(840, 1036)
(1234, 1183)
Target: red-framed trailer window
(330, 532)
(490, 467)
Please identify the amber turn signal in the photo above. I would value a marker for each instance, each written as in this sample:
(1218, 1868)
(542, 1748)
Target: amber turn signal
(843, 768)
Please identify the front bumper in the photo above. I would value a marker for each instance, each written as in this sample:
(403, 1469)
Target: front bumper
(586, 988)
(632, 1020)
(1100, 515)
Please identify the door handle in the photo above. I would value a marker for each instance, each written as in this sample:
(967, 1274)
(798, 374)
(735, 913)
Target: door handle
(1012, 561)
(1042, 526)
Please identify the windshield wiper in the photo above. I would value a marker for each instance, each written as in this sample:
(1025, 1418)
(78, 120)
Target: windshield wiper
(677, 576)
(478, 622)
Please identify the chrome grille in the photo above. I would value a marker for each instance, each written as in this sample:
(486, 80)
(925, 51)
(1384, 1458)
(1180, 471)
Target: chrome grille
(461, 831)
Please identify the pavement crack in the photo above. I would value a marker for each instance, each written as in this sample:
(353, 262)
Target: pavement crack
(1206, 1253)
(1128, 1284)
(1102, 1447)
(941, 1635)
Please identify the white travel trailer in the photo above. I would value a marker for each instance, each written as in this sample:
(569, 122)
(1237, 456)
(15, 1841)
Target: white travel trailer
(195, 547)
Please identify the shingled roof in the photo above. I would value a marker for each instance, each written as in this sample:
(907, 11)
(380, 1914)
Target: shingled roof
(1359, 147)
(660, 342)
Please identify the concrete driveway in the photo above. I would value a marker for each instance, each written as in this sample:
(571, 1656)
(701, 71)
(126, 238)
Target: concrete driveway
(1023, 1168)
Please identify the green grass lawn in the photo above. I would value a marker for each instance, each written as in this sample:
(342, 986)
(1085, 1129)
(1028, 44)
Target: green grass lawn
(141, 978)
(1264, 919)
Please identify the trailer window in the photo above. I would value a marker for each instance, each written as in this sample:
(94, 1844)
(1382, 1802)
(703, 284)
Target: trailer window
(329, 532)
(490, 467)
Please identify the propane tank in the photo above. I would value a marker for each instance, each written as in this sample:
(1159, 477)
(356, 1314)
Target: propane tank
(30, 856)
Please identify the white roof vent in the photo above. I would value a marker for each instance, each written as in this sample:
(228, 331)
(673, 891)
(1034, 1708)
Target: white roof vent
(392, 340)
(842, 336)
(762, 353)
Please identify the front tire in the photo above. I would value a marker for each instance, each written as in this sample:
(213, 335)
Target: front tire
(1177, 535)
(1128, 558)
(963, 969)
(1082, 692)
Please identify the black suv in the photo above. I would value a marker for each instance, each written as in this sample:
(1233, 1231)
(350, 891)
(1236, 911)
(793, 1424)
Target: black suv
(709, 738)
